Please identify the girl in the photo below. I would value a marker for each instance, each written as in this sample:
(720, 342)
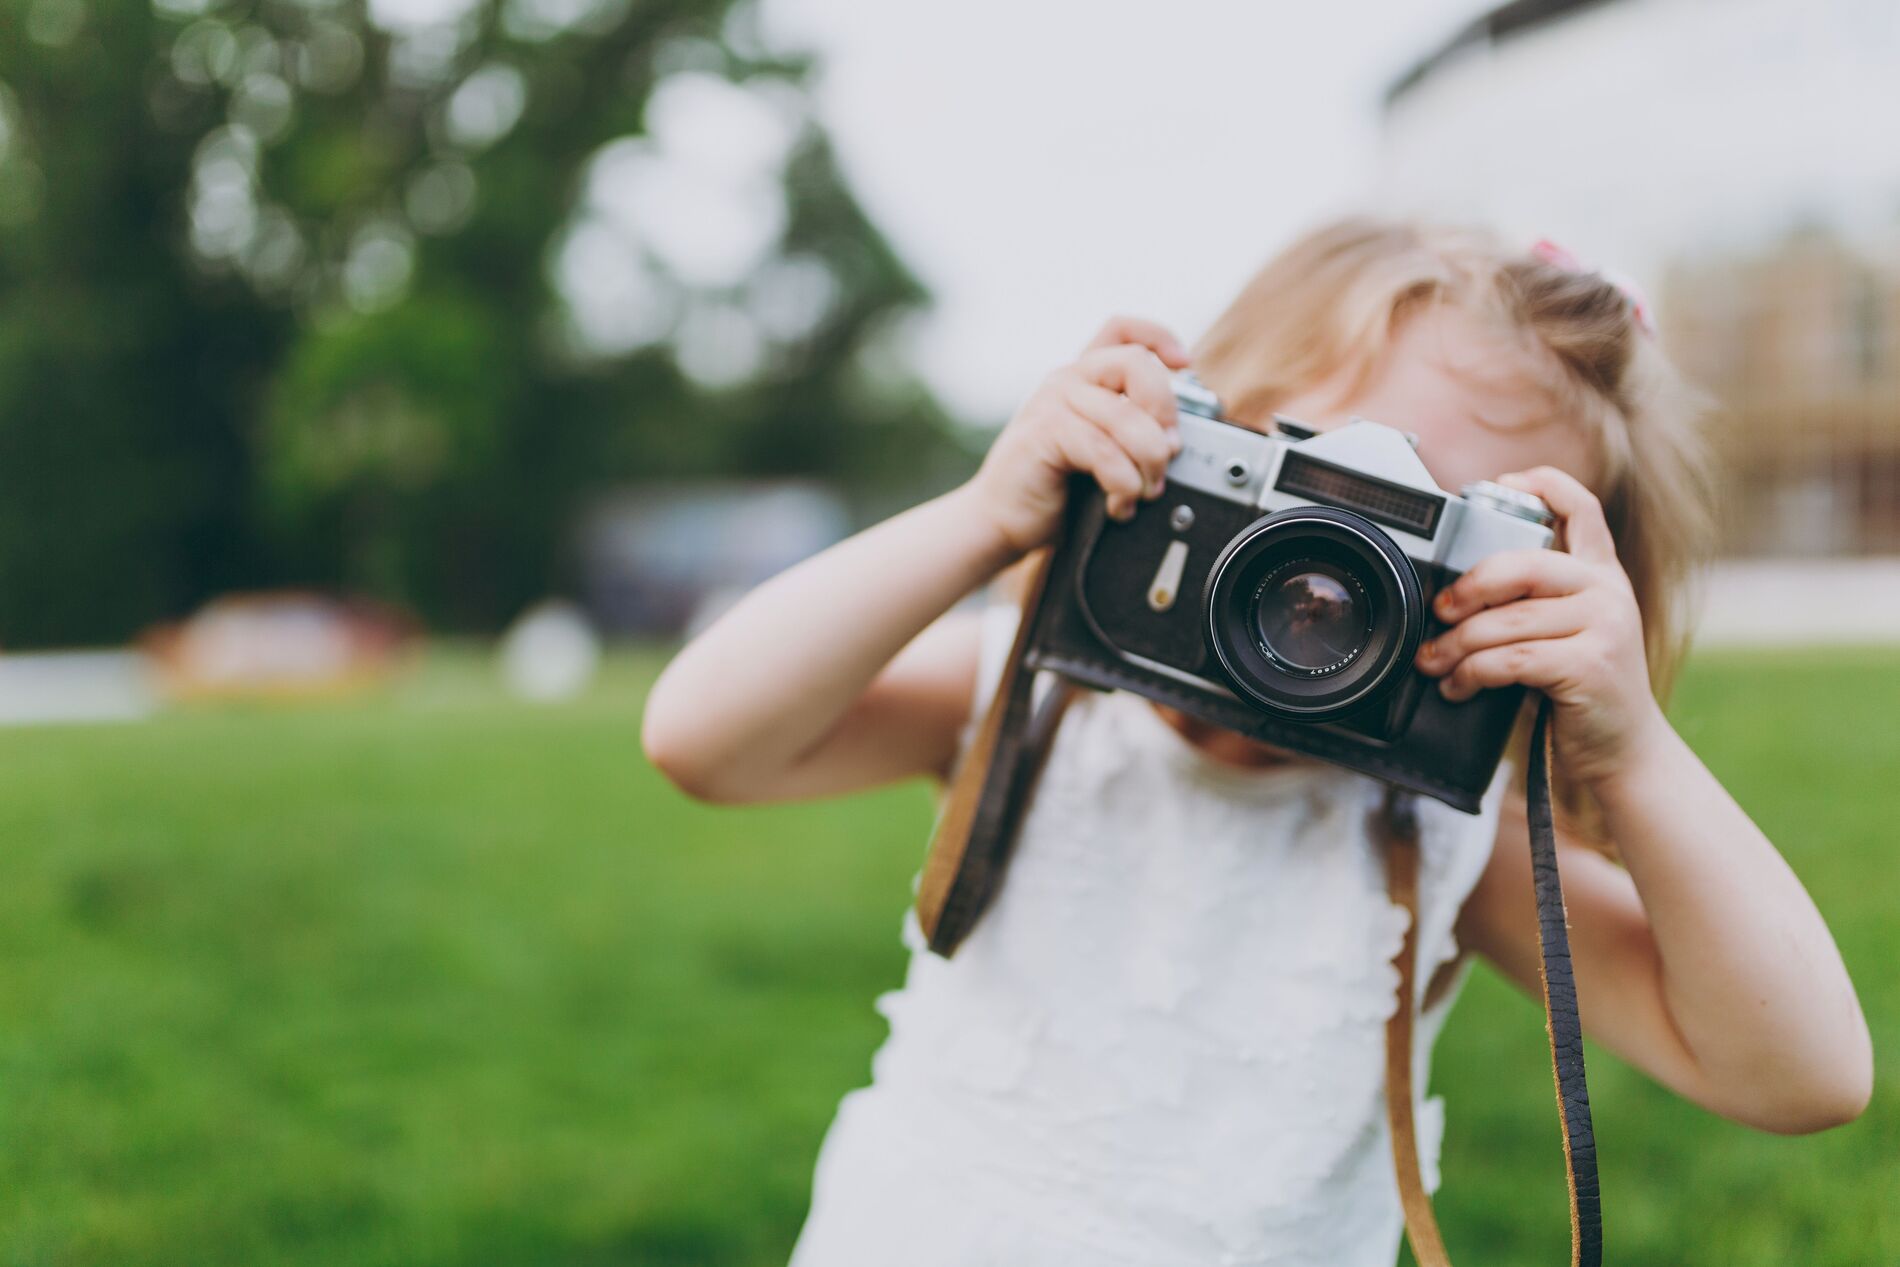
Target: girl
(1163, 1044)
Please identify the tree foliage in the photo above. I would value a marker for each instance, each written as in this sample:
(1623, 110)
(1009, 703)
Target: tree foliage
(374, 296)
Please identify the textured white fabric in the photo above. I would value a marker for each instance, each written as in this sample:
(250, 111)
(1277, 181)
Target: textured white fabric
(1164, 1043)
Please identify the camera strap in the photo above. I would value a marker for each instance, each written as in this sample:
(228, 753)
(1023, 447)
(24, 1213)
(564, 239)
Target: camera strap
(970, 845)
(1395, 826)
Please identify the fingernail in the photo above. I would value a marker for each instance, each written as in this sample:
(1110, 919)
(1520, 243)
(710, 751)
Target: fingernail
(1175, 442)
(1444, 689)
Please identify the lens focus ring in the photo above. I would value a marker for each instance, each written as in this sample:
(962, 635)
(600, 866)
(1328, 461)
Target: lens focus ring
(1313, 612)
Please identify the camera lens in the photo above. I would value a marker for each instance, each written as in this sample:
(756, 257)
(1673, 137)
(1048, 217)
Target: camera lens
(1313, 612)
(1311, 618)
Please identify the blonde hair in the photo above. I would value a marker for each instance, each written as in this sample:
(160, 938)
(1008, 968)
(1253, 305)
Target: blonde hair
(1330, 302)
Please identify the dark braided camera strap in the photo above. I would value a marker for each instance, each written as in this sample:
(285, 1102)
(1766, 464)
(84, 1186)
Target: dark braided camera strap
(1395, 825)
(969, 850)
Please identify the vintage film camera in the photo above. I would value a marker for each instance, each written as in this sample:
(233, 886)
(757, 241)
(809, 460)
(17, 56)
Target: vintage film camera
(1280, 586)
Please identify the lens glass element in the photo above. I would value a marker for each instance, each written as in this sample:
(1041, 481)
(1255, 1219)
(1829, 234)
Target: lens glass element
(1312, 617)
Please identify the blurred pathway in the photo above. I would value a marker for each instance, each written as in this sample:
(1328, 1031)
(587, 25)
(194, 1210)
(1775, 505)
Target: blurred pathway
(1780, 602)
(74, 686)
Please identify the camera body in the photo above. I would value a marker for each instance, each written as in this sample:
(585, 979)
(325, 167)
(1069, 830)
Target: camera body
(1280, 587)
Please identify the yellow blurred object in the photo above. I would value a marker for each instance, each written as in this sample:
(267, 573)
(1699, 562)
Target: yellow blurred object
(280, 645)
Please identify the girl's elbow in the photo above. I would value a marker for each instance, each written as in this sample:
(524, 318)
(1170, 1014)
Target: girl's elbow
(1820, 1110)
(1854, 1089)
(676, 767)
(1853, 1103)
(1847, 1095)
(1834, 1097)
(668, 746)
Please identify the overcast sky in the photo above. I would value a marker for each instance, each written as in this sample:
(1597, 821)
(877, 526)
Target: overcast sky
(1044, 164)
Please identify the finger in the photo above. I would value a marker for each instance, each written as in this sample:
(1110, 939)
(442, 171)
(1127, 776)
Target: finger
(1086, 447)
(1136, 373)
(1586, 532)
(1150, 445)
(1538, 664)
(1508, 576)
(1149, 334)
(1524, 621)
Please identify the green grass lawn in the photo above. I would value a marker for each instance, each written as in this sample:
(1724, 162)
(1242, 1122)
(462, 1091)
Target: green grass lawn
(438, 978)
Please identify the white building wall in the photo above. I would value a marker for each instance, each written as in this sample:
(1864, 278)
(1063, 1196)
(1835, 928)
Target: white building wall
(1642, 129)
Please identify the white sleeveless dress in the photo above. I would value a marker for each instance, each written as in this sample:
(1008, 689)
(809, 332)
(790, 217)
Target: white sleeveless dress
(1164, 1043)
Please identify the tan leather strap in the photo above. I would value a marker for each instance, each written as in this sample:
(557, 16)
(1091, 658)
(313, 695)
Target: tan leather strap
(976, 827)
(1395, 827)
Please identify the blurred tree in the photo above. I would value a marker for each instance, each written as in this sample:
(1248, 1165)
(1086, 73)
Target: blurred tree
(374, 294)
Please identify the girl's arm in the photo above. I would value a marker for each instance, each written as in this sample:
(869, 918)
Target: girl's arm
(799, 689)
(844, 671)
(1704, 963)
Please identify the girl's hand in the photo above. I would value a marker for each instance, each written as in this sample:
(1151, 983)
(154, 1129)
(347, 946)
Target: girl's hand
(1564, 623)
(1110, 413)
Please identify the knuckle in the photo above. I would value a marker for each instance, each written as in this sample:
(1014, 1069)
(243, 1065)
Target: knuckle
(1522, 562)
(1113, 463)
(1155, 444)
(1156, 385)
(1133, 456)
(1060, 391)
(1076, 435)
(1073, 451)
(1131, 428)
(1085, 442)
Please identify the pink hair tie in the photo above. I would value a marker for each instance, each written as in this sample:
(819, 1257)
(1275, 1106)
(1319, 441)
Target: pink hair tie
(1562, 257)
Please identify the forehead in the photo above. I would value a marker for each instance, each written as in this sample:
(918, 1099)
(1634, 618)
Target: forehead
(1479, 400)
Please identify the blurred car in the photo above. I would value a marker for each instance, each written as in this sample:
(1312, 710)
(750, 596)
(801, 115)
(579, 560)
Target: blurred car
(661, 560)
(279, 644)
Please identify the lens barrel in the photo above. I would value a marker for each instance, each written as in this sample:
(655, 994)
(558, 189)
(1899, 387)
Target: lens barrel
(1313, 612)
